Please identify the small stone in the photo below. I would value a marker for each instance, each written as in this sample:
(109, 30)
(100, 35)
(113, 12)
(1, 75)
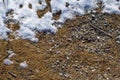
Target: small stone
(67, 57)
(93, 17)
(118, 42)
(98, 37)
(58, 52)
(66, 75)
(93, 70)
(60, 74)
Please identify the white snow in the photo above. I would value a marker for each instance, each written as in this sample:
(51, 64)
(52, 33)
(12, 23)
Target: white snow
(70, 8)
(3, 30)
(111, 6)
(29, 22)
(23, 65)
(10, 54)
(26, 33)
(8, 62)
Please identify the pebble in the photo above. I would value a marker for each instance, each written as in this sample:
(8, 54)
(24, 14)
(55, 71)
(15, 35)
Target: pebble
(66, 75)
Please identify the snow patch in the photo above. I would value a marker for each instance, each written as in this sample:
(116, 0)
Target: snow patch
(111, 6)
(23, 65)
(8, 62)
(70, 8)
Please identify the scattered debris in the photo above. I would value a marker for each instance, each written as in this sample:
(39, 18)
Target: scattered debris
(101, 30)
(12, 74)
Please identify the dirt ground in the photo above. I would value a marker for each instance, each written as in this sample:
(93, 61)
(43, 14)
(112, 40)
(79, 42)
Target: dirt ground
(85, 48)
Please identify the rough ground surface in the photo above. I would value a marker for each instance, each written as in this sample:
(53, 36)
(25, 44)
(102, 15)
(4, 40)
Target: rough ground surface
(86, 48)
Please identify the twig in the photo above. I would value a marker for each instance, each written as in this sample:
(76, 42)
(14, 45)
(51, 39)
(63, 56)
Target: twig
(12, 74)
(108, 34)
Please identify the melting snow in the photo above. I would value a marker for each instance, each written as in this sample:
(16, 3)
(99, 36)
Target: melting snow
(24, 12)
(8, 62)
(11, 54)
(23, 64)
(111, 6)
